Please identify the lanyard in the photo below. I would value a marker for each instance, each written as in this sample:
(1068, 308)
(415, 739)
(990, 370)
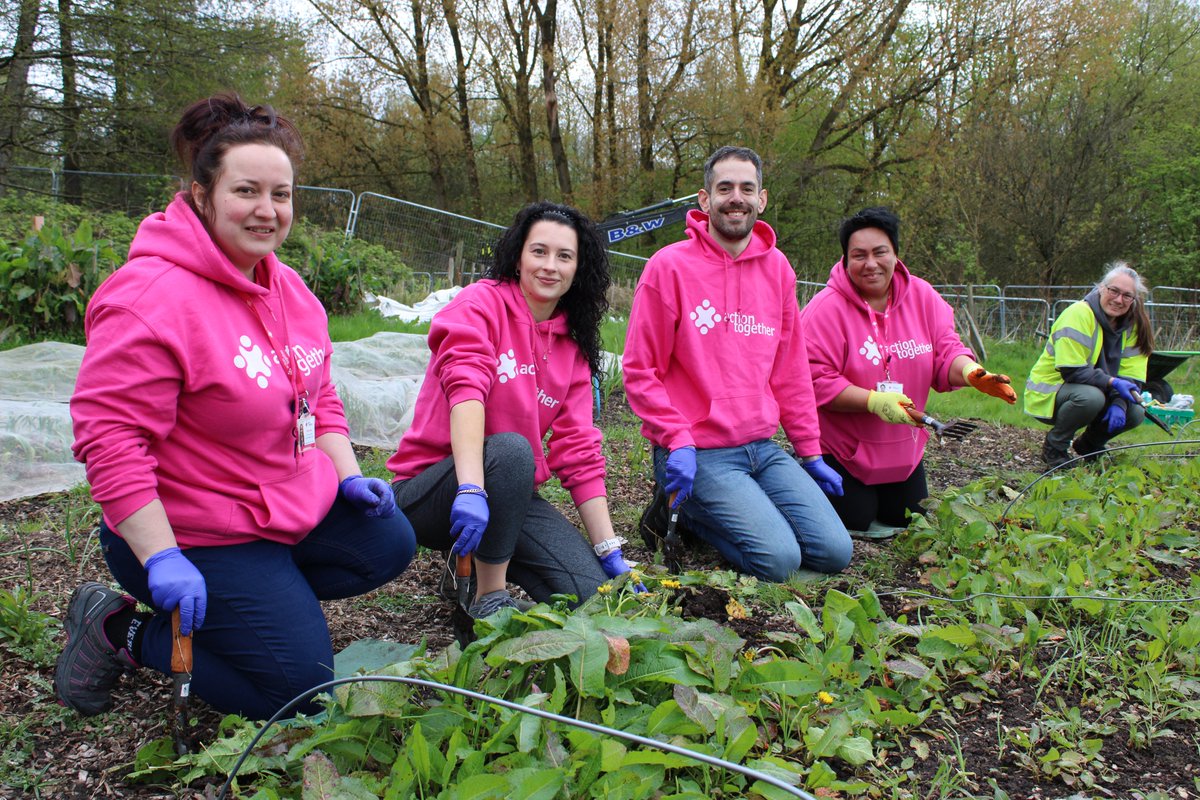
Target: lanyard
(299, 393)
(881, 338)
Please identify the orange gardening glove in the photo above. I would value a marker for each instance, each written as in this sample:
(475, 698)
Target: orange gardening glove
(989, 382)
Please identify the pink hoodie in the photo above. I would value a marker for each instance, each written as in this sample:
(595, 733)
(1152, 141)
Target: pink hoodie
(530, 376)
(180, 396)
(914, 339)
(714, 355)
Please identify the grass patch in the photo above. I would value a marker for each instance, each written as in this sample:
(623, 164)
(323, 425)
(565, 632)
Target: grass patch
(352, 327)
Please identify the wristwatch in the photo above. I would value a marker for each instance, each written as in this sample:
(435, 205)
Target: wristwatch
(607, 546)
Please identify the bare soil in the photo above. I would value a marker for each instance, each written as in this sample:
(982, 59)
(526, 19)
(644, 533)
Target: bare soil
(49, 751)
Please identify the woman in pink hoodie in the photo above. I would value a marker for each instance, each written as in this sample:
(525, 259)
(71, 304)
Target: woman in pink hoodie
(879, 340)
(513, 357)
(216, 444)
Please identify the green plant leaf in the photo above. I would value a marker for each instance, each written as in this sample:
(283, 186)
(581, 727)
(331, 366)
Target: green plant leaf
(855, 750)
(320, 778)
(789, 678)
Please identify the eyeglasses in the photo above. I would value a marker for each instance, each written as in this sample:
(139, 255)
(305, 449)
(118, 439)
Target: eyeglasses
(1117, 294)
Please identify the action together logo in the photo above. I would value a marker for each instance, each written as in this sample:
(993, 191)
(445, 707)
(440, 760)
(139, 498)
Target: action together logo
(706, 317)
(507, 369)
(253, 360)
(909, 348)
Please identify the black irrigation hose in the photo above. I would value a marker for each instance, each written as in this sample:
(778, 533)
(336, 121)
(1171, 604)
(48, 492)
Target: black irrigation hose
(537, 712)
(1022, 493)
(701, 757)
(1052, 470)
(1001, 596)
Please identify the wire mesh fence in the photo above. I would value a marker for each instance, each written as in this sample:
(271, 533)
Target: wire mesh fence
(446, 249)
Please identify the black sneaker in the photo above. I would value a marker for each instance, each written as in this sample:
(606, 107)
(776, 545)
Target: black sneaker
(653, 523)
(90, 665)
(1053, 456)
(1087, 448)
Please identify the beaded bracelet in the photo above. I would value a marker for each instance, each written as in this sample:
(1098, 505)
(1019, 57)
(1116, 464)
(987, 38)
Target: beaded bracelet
(470, 488)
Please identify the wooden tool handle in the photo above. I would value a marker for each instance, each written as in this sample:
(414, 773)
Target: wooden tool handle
(462, 566)
(181, 646)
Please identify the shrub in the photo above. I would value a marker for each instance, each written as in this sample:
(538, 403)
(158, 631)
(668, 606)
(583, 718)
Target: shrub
(339, 271)
(18, 211)
(46, 281)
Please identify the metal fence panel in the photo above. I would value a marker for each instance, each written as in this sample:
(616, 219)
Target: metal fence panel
(1174, 294)
(451, 246)
(129, 193)
(1176, 325)
(328, 208)
(32, 180)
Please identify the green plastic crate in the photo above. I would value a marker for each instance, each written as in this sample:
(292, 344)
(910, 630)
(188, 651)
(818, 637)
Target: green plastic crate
(1171, 416)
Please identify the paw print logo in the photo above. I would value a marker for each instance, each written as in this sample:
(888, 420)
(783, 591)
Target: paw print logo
(705, 317)
(871, 351)
(251, 359)
(506, 366)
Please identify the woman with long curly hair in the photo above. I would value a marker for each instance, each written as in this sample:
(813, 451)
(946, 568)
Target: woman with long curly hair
(513, 357)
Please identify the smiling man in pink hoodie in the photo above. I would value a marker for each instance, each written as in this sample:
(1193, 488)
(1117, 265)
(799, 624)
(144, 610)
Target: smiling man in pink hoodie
(714, 363)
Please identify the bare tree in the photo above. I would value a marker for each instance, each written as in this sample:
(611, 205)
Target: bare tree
(16, 83)
(450, 9)
(512, 41)
(398, 47)
(547, 17)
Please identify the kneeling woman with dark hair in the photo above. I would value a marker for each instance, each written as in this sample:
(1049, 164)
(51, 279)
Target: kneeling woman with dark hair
(513, 357)
(216, 444)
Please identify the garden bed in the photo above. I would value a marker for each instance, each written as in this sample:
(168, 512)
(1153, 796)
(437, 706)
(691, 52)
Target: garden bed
(1068, 699)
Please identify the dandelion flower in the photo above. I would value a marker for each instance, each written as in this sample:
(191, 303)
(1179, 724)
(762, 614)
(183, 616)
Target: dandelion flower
(604, 588)
(825, 697)
(669, 584)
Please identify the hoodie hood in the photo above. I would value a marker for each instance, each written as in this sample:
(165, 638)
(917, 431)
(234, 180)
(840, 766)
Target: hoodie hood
(839, 281)
(178, 235)
(762, 238)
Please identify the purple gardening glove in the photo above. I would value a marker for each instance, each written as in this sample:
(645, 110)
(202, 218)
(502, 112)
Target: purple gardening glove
(1114, 417)
(1127, 390)
(371, 495)
(613, 563)
(824, 476)
(680, 474)
(175, 581)
(468, 518)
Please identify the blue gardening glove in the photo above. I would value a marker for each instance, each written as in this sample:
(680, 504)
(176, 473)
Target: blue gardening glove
(1114, 417)
(175, 581)
(613, 563)
(370, 495)
(681, 473)
(1126, 389)
(468, 518)
(824, 476)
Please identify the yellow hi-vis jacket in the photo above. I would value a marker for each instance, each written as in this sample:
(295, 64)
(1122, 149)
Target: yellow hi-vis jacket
(1076, 341)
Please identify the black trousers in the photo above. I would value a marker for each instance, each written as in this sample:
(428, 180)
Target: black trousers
(860, 504)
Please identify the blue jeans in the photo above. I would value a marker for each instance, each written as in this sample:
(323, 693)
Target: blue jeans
(264, 638)
(762, 512)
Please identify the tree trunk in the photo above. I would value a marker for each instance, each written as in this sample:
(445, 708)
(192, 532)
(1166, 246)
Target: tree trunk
(475, 204)
(644, 111)
(424, 98)
(72, 189)
(548, 25)
(12, 98)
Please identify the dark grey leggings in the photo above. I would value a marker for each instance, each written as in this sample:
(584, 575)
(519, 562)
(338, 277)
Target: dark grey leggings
(549, 555)
(1077, 405)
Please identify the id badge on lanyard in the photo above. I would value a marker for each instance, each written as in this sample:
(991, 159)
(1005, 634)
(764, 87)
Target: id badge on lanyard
(886, 385)
(306, 427)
